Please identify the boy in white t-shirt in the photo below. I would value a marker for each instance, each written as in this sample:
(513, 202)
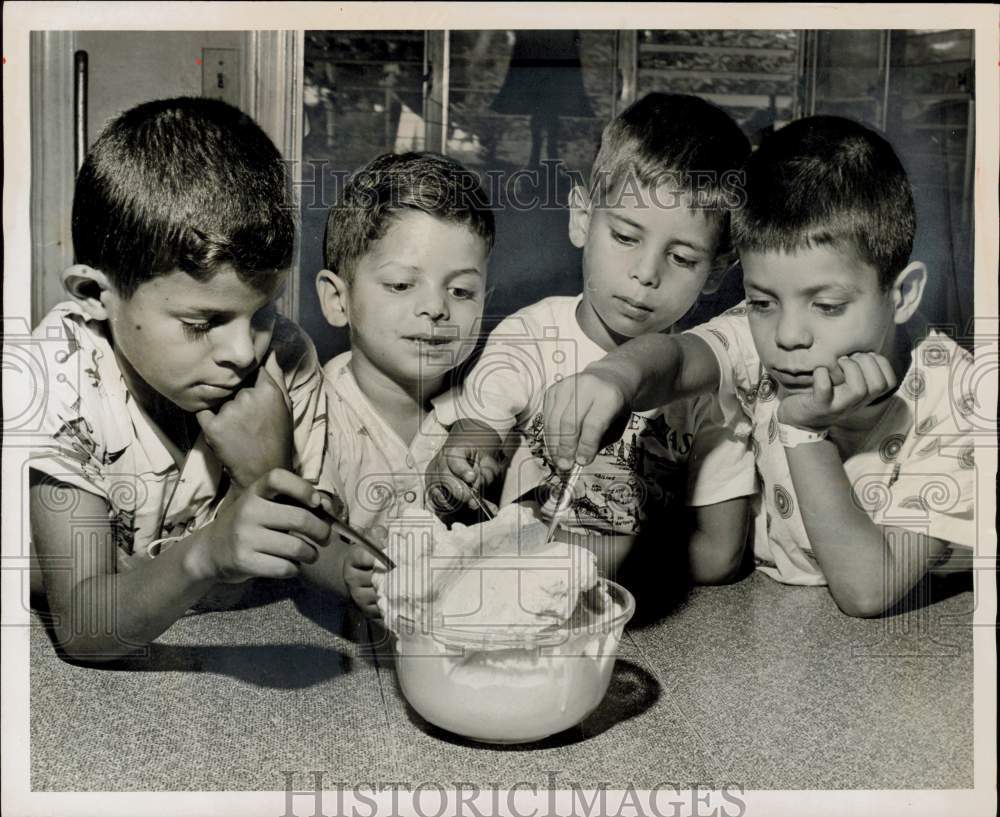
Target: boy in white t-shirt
(865, 485)
(653, 228)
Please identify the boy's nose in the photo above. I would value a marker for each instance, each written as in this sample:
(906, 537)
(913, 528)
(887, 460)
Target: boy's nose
(647, 270)
(792, 332)
(236, 348)
(434, 305)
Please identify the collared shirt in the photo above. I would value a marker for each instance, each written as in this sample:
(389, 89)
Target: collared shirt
(914, 470)
(381, 475)
(95, 437)
(677, 455)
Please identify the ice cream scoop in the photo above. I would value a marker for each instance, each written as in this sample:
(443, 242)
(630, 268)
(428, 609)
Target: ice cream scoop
(501, 575)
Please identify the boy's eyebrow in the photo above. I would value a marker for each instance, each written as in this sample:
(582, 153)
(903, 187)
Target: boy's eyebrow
(627, 220)
(848, 289)
(694, 245)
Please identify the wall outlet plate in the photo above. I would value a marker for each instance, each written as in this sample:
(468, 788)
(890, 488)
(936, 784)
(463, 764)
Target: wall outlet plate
(220, 74)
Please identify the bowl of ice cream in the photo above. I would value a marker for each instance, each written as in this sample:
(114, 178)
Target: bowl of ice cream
(500, 636)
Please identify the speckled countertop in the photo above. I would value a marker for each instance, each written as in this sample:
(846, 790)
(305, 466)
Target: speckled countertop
(753, 684)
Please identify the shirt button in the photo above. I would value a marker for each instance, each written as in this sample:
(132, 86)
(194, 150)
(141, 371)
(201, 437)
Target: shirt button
(409, 496)
(410, 462)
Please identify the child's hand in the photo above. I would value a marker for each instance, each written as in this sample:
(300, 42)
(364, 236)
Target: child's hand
(256, 535)
(358, 567)
(457, 473)
(581, 413)
(866, 376)
(251, 433)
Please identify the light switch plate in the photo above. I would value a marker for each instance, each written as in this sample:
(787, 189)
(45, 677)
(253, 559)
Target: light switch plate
(220, 74)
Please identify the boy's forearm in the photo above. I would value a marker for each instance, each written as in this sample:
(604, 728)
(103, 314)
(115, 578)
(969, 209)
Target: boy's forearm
(126, 611)
(718, 541)
(656, 369)
(849, 546)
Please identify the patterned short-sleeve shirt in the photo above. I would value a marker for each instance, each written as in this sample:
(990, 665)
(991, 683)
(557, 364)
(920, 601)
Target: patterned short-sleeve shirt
(94, 437)
(679, 455)
(915, 469)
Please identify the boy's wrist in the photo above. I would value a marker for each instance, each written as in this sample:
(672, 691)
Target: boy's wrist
(792, 436)
(801, 424)
(618, 375)
(197, 563)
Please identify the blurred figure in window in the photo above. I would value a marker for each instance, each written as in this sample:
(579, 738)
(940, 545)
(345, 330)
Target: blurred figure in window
(544, 81)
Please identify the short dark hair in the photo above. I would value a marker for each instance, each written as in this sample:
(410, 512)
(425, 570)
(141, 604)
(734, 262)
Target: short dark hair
(391, 184)
(187, 183)
(677, 139)
(828, 180)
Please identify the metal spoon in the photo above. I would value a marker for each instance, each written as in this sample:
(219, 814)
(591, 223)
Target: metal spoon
(564, 502)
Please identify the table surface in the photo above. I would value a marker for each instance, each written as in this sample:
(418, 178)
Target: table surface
(753, 684)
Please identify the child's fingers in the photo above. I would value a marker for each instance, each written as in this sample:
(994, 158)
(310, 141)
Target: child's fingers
(558, 406)
(595, 425)
(285, 546)
(887, 371)
(267, 386)
(822, 387)
(268, 566)
(460, 461)
(489, 470)
(361, 560)
(296, 521)
(281, 483)
(854, 389)
(875, 382)
(446, 493)
(206, 420)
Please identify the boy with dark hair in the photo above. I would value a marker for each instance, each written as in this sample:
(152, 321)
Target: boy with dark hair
(406, 253)
(865, 486)
(653, 227)
(179, 405)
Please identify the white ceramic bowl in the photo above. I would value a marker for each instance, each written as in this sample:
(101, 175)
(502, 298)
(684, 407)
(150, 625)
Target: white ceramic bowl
(508, 687)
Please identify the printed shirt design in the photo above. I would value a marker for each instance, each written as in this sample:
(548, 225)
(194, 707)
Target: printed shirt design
(95, 438)
(681, 454)
(632, 482)
(914, 470)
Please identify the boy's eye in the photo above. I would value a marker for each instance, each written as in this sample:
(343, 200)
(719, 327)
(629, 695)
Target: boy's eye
(831, 309)
(621, 238)
(398, 286)
(463, 294)
(759, 304)
(683, 260)
(197, 330)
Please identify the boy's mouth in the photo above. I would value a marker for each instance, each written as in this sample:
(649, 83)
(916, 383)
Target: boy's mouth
(431, 340)
(636, 310)
(793, 378)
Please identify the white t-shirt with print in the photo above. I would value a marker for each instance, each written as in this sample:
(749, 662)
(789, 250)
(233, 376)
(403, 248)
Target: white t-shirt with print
(681, 454)
(94, 437)
(915, 470)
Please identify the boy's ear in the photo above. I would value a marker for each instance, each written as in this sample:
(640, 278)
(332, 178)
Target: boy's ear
(907, 291)
(90, 288)
(579, 216)
(334, 297)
